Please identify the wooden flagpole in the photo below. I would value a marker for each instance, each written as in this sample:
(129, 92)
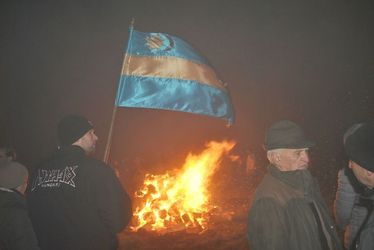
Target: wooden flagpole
(110, 135)
(109, 140)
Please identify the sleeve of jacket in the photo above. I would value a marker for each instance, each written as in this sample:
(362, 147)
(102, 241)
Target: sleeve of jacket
(21, 231)
(112, 201)
(344, 200)
(267, 228)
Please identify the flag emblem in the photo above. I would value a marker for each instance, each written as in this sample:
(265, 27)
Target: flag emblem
(159, 42)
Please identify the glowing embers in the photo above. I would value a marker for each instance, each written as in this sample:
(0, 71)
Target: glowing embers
(179, 199)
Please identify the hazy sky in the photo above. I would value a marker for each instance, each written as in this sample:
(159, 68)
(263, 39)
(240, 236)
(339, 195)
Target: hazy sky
(308, 61)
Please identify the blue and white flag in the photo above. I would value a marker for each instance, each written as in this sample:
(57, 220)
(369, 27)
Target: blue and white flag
(161, 71)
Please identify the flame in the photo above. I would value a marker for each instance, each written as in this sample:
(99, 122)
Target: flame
(180, 198)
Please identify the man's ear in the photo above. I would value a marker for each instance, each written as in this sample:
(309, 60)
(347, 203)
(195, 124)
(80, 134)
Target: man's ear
(273, 157)
(350, 164)
(369, 173)
(277, 157)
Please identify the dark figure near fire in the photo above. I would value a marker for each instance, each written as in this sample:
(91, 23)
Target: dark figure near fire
(16, 231)
(288, 212)
(359, 147)
(77, 202)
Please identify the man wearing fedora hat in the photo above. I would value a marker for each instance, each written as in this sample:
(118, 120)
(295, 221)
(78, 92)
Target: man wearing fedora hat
(16, 231)
(77, 202)
(288, 212)
(359, 146)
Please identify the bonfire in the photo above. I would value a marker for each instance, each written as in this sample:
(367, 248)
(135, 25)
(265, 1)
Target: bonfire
(180, 199)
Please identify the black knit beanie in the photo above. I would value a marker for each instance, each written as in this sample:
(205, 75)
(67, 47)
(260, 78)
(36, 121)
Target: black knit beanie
(359, 145)
(71, 128)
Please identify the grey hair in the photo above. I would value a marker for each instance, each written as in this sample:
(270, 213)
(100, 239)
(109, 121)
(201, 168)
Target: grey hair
(271, 152)
(278, 150)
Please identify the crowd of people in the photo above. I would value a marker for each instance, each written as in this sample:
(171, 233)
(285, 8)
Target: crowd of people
(73, 201)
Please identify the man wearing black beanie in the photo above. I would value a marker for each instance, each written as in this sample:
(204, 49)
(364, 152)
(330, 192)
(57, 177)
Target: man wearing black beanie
(77, 202)
(359, 146)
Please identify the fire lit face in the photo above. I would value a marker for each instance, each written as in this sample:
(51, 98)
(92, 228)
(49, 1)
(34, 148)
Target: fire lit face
(291, 159)
(364, 176)
(88, 141)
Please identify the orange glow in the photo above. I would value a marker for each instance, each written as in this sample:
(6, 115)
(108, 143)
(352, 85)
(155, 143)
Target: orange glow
(180, 198)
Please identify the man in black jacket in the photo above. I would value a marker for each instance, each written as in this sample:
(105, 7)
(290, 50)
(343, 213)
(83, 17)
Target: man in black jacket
(77, 202)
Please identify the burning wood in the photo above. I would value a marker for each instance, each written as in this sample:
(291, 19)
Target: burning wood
(180, 200)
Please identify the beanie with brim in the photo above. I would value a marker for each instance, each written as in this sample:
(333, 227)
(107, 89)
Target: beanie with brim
(71, 128)
(12, 174)
(286, 134)
(359, 146)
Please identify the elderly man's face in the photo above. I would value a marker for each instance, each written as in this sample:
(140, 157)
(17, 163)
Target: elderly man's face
(292, 159)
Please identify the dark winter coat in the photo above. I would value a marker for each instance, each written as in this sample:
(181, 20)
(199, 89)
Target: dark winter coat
(77, 202)
(16, 231)
(350, 209)
(288, 213)
(365, 237)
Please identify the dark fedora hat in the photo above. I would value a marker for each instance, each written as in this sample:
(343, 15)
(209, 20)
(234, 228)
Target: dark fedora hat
(286, 134)
(359, 145)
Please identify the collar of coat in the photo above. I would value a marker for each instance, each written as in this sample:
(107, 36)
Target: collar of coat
(298, 179)
(70, 150)
(6, 190)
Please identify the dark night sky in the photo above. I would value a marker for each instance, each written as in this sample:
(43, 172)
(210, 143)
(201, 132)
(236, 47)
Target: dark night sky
(308, 61)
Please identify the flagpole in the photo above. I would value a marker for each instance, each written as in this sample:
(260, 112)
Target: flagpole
(110, 135)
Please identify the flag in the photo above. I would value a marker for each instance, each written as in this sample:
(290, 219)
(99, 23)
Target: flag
(161, 71)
